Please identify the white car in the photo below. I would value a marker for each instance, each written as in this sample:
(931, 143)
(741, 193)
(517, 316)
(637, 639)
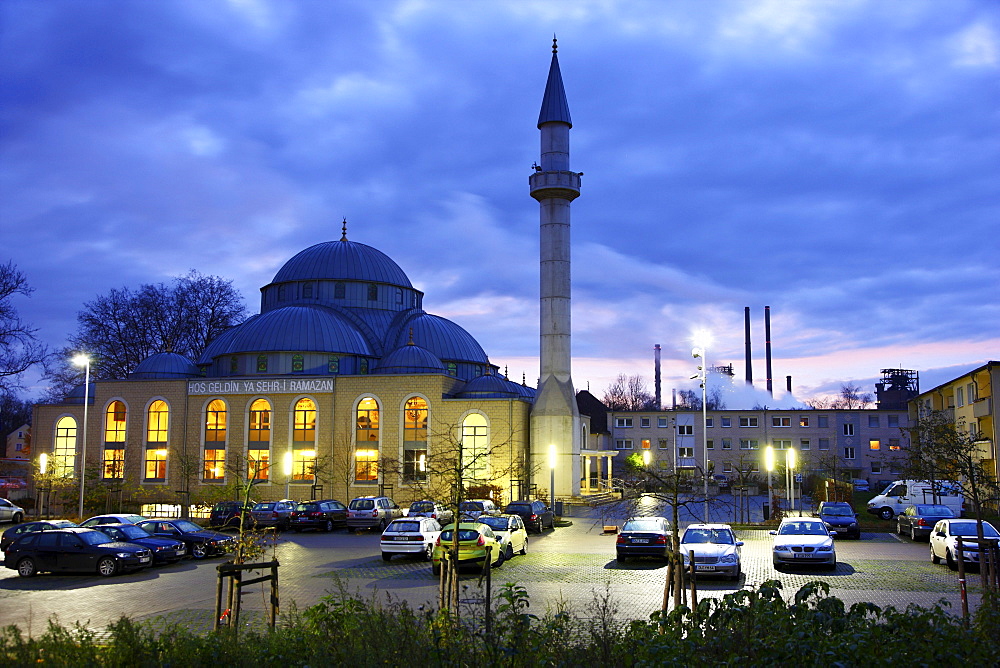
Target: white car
(510, 532)
(803, 541)
(716, 550)
(10, 512)
(410, 535)
(944, 541)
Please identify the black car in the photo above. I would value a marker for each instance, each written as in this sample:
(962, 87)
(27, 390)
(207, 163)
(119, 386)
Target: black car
(228, 513)
(643, 537)
(535, 514)
(15, 532)
(74, 549)
(319, 515)
(840, 518)
(919, 519)
(165, 550)
(200, 542)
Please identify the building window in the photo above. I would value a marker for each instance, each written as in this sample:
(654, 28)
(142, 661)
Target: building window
(748, 444)
(623, 443)
(155, 465)
(874, 444)
(685, 430)
(685, 453)
(848, 452)
(876, 468)
(746, 421)
(157, 418)
(475, 447)
(282, 293)
(307, 290)
(234, 364)
(970, 393)
(339, 291)
(848, 429)
(261, 363)
(662, 423)
(367, 421)
(644, 422)
(662, 444)
(365, 465)
(727, 467)
(803, 420)
(298, 363)
(783, 445)
(64, 448)
(372, 292)
(215, 441)
(804, 444)
(645, 444)
(960, 397)
(415, 440)
(824, 444)
(363, 366)
(333, 364)
(623, 422)
(709, 422)
(822, 421)
(727, 444)
(894, 444)
(779, 421)
(452, 369)
(893, 420)
(710, 444)
(727, 422)
(873, 421)
(114, 441)
(259, 440)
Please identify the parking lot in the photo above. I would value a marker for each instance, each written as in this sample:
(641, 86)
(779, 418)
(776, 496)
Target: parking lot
(568, 565)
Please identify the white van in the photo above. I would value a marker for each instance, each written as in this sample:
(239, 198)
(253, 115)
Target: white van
(902, 493)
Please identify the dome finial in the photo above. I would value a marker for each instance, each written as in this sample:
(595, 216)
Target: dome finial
(555, 46)
(343, 236)
(410, 342)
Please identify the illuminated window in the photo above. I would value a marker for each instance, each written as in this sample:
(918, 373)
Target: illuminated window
(367, 422)
(259, 440)
(303, 463)
(304, 439)
(63, 463)
(113, 466)
(215, 440)
(645, 444)
(157, 421)
(365, 465)
(803, 420)
(114, 423)
(894, 444)
(874, 445)
(415, 439)
(475, 447)
(113, 463)
(155, 464)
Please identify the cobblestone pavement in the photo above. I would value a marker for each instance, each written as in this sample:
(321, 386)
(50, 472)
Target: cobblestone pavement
(568, 566)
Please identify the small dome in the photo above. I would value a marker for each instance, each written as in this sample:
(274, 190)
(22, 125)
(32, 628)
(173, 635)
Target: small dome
(75, 395)
(490, 387)
(443, 338)
(410, 359)
(164, 365)
(342, 261)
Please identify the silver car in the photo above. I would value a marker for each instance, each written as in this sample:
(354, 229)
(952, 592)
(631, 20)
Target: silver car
(803, 541)
(716, 550)
(368, 512)
(273, 513)
(10, 512)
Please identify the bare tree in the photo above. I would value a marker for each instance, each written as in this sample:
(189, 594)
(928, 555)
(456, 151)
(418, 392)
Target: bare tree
(629, 393)
(851, 398)
(19, 349)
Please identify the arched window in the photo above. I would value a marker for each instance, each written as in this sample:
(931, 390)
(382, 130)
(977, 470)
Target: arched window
(475, 448)
(303, 439)
(215, 441)
(64, 450)
(259, 440)
(157, 421)
(366, 435)
(415, 440)
(114, 441)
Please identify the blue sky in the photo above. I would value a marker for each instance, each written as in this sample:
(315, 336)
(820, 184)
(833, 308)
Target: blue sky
(838, 161)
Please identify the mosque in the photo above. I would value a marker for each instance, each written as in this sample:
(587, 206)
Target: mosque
(343, 385)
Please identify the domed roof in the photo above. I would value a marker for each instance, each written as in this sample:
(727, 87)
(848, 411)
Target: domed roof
(164, 365)
(291, 328)
(75, 395)
(443, 338)
(342, 261)
(410, 359)
(490, 387)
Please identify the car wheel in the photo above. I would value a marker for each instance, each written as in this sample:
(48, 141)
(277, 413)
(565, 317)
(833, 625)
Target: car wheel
(885, 513)
(199, 551)
(952, 564)
(934, 558)
(524, 548)
(107, 566)
(428, 552)
(620, 558)
(328, 527)
(777, 566)
(26, 567)
(913, 534)
(899, 528)
(383, 524)
(509, 554)
(17, 518)
(386, 556)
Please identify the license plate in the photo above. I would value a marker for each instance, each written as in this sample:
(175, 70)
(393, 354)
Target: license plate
(143, 559)
(698, 567)
(640, 540)
(803, 555)
(400, 538)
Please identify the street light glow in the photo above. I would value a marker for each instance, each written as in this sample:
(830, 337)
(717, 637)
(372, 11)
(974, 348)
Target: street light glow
(552, 456)
(43, 463)
(81, 359)
(769, 459)
(790, 458)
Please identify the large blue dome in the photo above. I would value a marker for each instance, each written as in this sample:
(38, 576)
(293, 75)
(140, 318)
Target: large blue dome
(342, 261)
(442, 337)
(410, 359)
(292, 328)
(164, 365)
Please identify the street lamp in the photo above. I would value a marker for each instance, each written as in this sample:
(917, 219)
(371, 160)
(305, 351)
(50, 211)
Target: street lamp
(552, 476)
(769, 465)
(701, 343)
(789, 467)
(84, 361)
(288, 470)
(43, 467)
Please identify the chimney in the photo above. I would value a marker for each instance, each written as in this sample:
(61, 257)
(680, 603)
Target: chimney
(767, 347)
(746, 325)
(656, 381)
(788, 384)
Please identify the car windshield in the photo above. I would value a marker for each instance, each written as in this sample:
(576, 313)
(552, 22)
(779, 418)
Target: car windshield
(969, 529)
(519, 508)
(495, 523)
(463, 535)
(94, 538)
(718, 536)
(306, 507)
(936, 511)
(132, 531)
(643, 525)
(421, 507)
(186, 526)
(802, 529)
(471, 505)
(362, 504)
(837, 511)
(264, 506)
(400, 527)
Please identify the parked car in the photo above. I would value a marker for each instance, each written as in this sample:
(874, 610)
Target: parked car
(112, 519)
(273, 513)
(860, 485)
(15, 532)
(474, 539)
(944, 541)
(919, 519)
(74, 549)
(803, 541)
(471, 510)
(721, 480)
(442, 513)
(902, 493)
(410, 535)
(164, 550)
(840, 518)
(9, 512)
(320, 515)
(535, 514)
(716, 550)
(200, 542)
(510, 531)
(228, 513)
(368, 512)
(643, 537)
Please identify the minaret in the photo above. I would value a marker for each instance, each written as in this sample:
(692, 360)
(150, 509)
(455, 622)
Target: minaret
(555, 420)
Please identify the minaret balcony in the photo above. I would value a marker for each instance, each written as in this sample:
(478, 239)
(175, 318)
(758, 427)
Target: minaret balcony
(564, 185)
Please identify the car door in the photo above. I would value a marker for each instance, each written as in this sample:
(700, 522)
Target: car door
(6, 510)
(937, 541)
(73, 554)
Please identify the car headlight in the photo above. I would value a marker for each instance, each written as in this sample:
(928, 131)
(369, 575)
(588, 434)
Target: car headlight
(123, 555)
(824, 548)
(782, 548)
(728, 559)
(854, 524)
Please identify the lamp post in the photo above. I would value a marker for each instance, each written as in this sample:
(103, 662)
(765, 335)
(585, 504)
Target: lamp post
(789, 468)
(769, 465)
(84, 361)
(43, 467)
(552, 477)
(288, 470)
(699, 352)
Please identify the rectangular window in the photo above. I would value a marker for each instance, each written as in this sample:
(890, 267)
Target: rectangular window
(893, 420)
(644, 422)
(727, 444)
(960, 397)
(366, 465)
(64, 452)
(746, 421)
(303, 462)
(258, 463)
(215, 462)
(623, 443)
(754, 467)
(415, 465)
(114, 463)
(333, 364)
(727, 422)
(783, 445)
(874, 444)
(645, 444)
(824, 444)
(848, 452)
(748, 444)
(623, 422)
(894, 444)
(686, 453)
(848, 429)
(710, 444)
(685, 430)
(876, 468)
(339, 290)
(155, 465)
(662, 423)
(873, 421)
(709, 422)
(803, 420)
(662, 464)
(780, 421)
(970, 393)
(821, 421)
(372, 292)
(727, 468)
(804, 444)
(662, 444)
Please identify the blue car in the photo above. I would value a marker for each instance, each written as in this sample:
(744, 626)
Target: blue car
(165, 550)
(840, 518)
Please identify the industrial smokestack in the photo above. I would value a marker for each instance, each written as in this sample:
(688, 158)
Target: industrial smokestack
(656, 377)
(788, 384)
(767, 347)
(746, 320)
(673, 402)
